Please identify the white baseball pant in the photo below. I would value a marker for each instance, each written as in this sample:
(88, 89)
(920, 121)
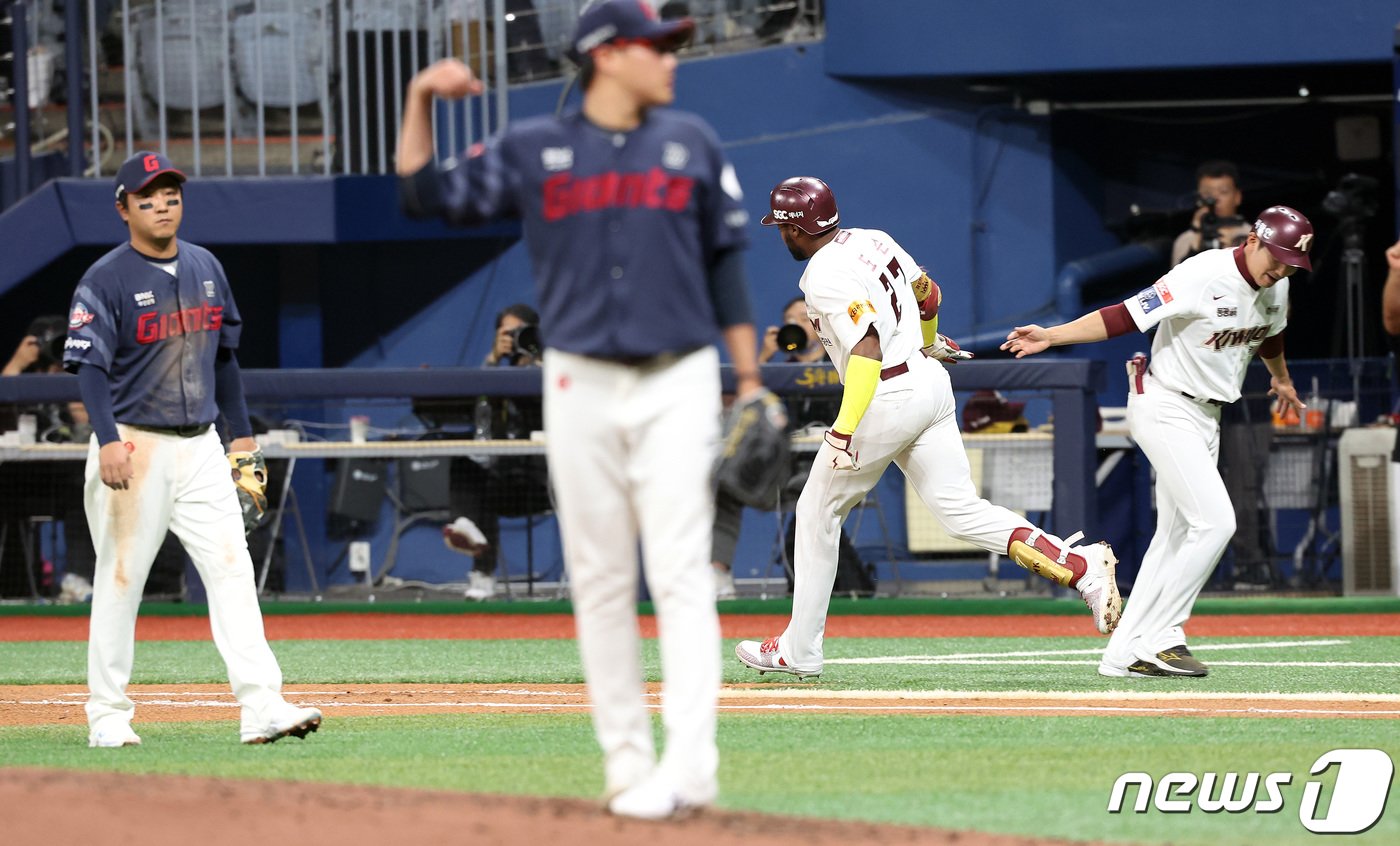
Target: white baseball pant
(911, 422)
(631, 451)
(1195, 521)
(183, 484)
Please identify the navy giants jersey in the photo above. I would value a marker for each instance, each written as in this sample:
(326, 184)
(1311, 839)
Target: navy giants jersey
(155, 334)
(621, 226)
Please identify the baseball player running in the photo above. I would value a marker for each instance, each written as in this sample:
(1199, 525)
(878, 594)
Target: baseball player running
(1213, 312)
(151, 335)
(876, 312)
(634, 224)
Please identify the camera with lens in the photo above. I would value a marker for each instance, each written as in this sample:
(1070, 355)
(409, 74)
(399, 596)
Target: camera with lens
(51, 332)
(792, 338)
(1211, 224)
(526, 340)
(1354, 198)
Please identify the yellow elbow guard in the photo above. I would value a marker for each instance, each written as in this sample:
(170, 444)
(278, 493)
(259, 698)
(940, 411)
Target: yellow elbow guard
(862, 375)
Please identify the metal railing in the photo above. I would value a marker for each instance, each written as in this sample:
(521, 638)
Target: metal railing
(262, 87)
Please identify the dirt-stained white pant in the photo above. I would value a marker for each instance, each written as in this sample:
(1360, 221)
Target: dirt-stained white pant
(911, 422)
(183, 484)
(1195, 521)
(630, 452)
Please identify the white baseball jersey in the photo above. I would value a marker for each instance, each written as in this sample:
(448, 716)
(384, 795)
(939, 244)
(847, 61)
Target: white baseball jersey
(1211, 318)
(858, 279)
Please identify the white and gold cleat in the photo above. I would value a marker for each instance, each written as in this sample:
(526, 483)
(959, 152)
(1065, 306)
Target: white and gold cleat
(1099, 585)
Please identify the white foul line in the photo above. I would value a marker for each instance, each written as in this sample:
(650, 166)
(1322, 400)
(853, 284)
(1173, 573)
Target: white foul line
(964, 657)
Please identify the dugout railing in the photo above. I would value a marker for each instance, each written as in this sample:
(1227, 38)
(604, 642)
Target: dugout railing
(320, 404)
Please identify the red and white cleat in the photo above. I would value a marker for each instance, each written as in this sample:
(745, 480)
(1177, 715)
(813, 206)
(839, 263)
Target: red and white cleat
(766, 658)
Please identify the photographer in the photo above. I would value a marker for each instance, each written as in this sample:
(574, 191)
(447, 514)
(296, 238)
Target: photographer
(484, 490)
(53, 488)
(798, 343)
(41, 351)
(796, 338)
(517, 337)
(1217, 222)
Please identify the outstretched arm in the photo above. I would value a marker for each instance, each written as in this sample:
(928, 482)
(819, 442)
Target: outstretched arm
(1281, 384)
(1029, 340)
(447, 78)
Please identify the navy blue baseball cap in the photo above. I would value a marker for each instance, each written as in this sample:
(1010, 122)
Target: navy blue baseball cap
(609, 21)
(138, 171)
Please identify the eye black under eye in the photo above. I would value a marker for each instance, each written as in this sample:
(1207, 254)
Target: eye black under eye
(146, 206)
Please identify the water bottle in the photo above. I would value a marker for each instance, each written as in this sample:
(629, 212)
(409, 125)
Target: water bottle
(483, 419)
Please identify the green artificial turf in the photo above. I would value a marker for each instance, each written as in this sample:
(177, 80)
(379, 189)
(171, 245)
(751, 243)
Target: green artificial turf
(1045, 776)
(1341, 664)
(1067, 606)
(1033, 776)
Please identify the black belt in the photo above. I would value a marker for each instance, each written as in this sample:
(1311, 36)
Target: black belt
(1214, 402)
(657, 360)
(191, 431)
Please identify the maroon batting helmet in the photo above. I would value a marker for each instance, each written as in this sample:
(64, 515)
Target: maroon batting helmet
(1287, 233)
(804, 201)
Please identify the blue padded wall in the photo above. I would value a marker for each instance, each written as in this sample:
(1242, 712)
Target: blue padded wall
(902, 38)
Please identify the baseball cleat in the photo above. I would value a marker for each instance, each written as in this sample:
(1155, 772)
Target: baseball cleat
(724, 585)
(112, 737)
(765, 658)
(1176, 661)
(480, 586)
(1099, 586)
(297, 722)
(464, 536)
(652, 799)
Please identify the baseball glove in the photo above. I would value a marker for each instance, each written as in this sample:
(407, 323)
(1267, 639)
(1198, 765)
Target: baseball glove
(754, 458)
(250, 478)
(946, 350)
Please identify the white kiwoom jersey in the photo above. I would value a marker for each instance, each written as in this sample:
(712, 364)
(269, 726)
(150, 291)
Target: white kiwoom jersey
(1210, 319)
(858, 279)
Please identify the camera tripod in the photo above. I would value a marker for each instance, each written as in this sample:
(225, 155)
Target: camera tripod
(1353, 282)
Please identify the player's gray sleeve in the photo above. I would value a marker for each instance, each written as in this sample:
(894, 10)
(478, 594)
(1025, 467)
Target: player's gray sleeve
(729, 289)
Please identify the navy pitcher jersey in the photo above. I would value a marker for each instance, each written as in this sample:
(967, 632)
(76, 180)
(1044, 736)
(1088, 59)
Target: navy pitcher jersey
(155, 334)
(620, 226)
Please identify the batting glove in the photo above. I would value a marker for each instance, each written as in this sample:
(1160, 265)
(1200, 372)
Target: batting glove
(840, 454)
(946, 350)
